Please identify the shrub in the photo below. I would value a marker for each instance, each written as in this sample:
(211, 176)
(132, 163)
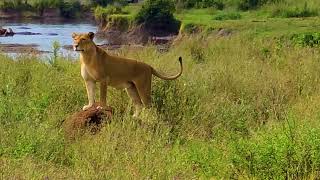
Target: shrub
(197, 53)
(294, 12)
(191, 28)
(40, 5)
(70, 9)
(217, 4)
(158, 14)
(253, 4)
(227, 16)
(306, 39)
(55, 47)
(286, 153)
(101, 13)
(14, 5)
(109, 2)
(103, 2)
(119, 22)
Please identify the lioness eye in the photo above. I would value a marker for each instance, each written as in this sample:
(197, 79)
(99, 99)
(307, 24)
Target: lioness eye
(82, 39)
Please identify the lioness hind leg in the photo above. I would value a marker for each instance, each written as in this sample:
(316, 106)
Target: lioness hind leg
(103, 94)
(144, 90)
(133, 93)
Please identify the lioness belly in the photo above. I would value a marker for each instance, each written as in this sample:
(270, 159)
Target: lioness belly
(119, 85)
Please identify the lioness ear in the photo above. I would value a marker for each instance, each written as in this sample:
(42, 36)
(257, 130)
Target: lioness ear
(74, 35)
(91, 35)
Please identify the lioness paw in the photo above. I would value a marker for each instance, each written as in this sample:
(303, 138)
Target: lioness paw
(86, 107)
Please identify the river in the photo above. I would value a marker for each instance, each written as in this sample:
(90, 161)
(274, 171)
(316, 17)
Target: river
(47, 33)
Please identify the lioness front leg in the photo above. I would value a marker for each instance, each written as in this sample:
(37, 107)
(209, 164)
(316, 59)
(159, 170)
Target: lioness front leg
(103, 94)
(90, 86)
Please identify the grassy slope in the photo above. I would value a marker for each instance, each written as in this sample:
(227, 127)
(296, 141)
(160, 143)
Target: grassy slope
(246, 106)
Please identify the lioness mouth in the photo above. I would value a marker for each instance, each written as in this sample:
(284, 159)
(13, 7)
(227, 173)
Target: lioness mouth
(79, 50)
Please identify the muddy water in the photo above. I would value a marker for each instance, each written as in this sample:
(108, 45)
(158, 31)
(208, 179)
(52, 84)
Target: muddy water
(45, 33)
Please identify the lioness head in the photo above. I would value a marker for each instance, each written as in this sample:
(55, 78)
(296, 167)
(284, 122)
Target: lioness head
(82, 42)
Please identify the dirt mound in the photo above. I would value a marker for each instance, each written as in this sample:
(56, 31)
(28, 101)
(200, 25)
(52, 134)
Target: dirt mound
(88, 120)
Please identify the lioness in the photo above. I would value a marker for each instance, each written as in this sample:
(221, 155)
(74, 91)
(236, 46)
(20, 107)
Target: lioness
(118, 72)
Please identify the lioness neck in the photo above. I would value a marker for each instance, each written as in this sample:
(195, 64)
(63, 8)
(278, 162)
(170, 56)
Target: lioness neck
(88, 55)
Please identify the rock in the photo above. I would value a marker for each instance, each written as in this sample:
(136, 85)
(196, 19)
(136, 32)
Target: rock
(162, 40)
(28, 33)
(6, 32)
(24, 28)
(90, 119)
(52, 34)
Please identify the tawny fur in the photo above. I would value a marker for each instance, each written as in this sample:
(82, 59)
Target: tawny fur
(98, 66)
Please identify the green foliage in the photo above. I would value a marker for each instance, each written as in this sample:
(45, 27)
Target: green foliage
(102, 13)
(56, 47)
(158, 14)
(217, 4)
(119, 22)
(288, 153)
(254, 4)
(14, 5)
(197, 53)
(190, 28)
(227, 16)
(109, 2)
(70, 9)
(306, 39)
(289, 12)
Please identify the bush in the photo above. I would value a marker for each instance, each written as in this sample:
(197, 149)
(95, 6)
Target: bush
(197, 53)
(286, 153)
(190, 28)
(307, 39)
(70, 9)
(119, 22)
(253, 4)
(103, 2)
(102, 13)
(109, 2)
(14, 5)
(217, 4)
(158, 14)
(227, 16)
(294, 12)
(40, 5)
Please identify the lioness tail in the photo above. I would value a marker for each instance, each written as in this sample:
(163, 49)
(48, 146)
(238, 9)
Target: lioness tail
(159, 75)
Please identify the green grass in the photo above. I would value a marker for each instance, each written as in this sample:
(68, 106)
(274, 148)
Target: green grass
(227, 16)
(255, 23)
(245, 107)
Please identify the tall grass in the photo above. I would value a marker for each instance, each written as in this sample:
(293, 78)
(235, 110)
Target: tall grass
(244, 108)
